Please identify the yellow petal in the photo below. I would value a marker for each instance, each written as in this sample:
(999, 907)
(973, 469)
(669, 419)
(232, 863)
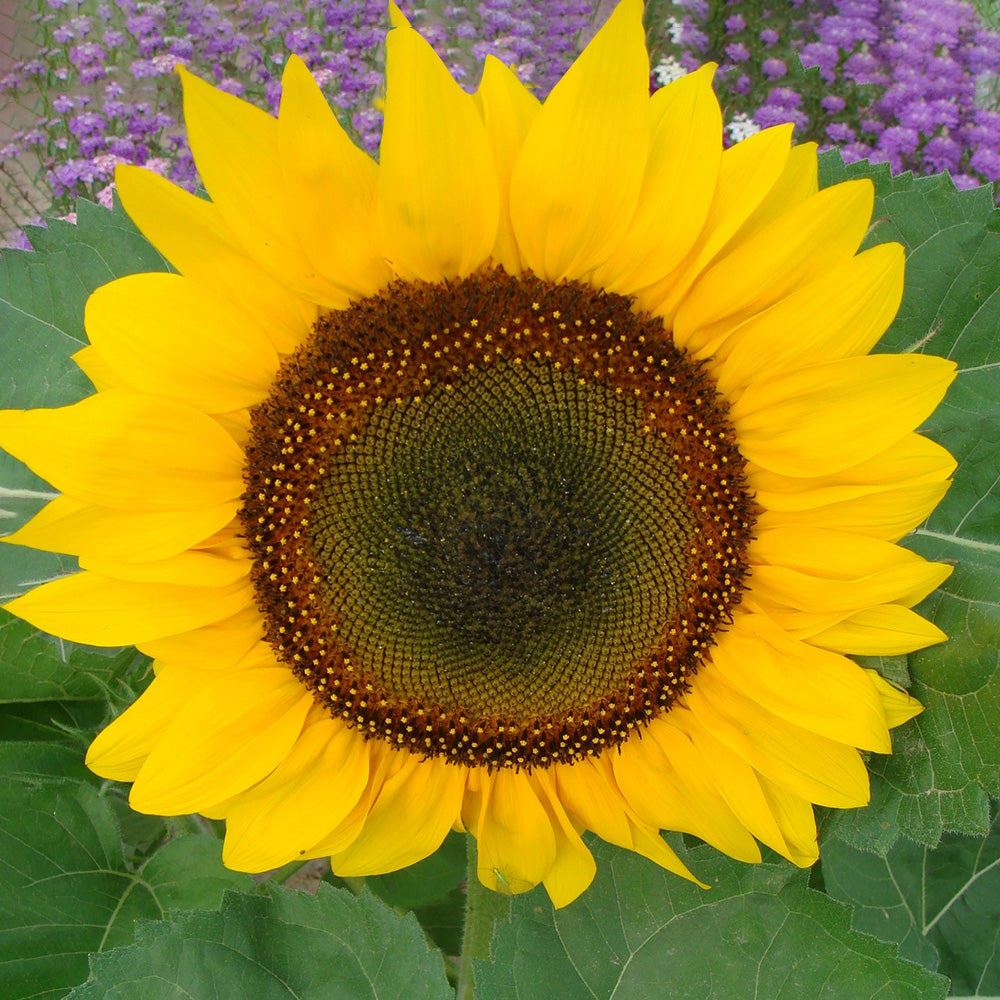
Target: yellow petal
(663, 780)
(515, 841)
(236, 148)
(308, 794)
(99, 611)
(589, 791)
(330, 185)
(397, 19)
(121, 748)
(236, 423)
(438, 206)
(888, 514)
(885, 630)
(899, 705)
(121, 450)
(217, 646)
(812, 688)
(576, 182)
(191, 568)
(574, 867)
(913, 461)
(747, 172)
(593, 801)
(81, 529)
(798, 181)
(813, 767)
(841, 314)
(231, 734)
(97, 369)
(738, 783)
(409, 819)
(831, 416)
(684, 156)
(814, 570)
(647, 841)
(800, 244)
(169, 336)
(191, 234)
(507, 109)
(796, 820)
(383, 763)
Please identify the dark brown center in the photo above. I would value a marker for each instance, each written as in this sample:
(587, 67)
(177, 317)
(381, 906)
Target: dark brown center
(498, 520)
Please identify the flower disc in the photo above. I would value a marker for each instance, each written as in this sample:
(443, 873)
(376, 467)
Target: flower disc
(498, 520)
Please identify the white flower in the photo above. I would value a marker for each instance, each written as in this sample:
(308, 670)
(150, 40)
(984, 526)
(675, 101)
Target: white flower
(667, 70)
(741, 127)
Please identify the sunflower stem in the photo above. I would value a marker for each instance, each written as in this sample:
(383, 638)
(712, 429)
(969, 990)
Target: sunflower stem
(483, 908)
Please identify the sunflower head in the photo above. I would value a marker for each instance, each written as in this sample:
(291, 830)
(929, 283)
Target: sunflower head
(534, 479)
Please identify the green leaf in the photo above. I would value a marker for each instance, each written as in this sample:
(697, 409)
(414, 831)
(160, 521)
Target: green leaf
(69, 261)
(288, 945)
(946, 763)
(941, 903)
(72, 722)
(431, 890)
(640, 933)
(65, 887)
(37, 761)
(36, 667)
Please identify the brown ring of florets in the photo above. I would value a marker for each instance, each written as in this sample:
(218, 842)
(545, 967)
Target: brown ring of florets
(401, 346)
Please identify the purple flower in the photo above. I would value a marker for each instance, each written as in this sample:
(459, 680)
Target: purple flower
(942, 153)
(840, 132)
(88, 123)
(737, 52)
(855, 151)
(77, 27)
(63, 103)
(909, 65)
(964, 182)
(774, 69)
(122, 148)
(87, 52)
(231, 86)
(93, 73)
(897, 142)
(987, 163)
(824, 55)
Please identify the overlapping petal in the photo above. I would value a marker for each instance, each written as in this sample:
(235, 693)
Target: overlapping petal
(236, 148)
(231, 733)
(578, 176)
(129, 452)
(677, 188)
(191, 234)
(331, 187)
(438, 205)
(169, 336)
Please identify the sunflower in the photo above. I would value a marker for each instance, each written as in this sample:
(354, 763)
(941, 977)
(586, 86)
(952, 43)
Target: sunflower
(534, 479)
